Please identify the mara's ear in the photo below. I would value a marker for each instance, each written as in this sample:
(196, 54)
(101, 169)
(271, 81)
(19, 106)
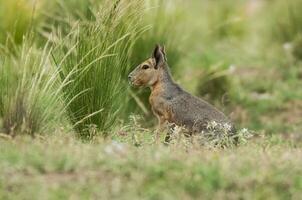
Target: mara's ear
(158, 55)
(163, 50)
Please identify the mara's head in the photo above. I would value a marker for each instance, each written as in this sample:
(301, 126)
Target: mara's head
(148, 72)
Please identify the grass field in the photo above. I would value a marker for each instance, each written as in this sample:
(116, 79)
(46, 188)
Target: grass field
(71, 127)
(61, 167)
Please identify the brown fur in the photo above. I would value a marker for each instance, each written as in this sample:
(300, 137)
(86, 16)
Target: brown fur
(169, 102)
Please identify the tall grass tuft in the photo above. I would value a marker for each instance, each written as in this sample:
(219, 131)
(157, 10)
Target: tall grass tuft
(29, 94)
(95, 58)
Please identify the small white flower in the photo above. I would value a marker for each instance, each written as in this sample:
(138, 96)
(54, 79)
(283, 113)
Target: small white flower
(232, 68)
(227, 126)
(115, 148)
(176, 129)
(244, 130)
(214, 124)
(287, 46)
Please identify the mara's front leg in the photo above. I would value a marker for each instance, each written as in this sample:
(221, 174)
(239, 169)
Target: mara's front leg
(160, 127)
(168, 137)
(161, 123)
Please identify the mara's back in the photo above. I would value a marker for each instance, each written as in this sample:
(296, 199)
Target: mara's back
(193, 112)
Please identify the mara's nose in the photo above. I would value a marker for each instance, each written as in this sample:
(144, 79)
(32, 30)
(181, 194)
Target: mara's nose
(129, 77)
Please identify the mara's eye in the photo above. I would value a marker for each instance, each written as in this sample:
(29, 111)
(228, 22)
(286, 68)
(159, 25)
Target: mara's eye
(145, 66)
